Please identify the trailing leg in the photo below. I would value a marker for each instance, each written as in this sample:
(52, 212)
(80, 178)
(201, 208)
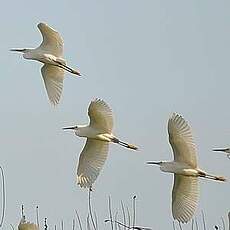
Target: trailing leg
(65, 67)
(208, 176)
(129, 146)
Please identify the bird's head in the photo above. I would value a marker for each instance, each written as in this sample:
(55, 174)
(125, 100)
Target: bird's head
(74, 128)
(165, 166)
(26, 52)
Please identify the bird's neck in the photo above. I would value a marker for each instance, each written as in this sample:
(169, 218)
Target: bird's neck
(82, 130)
(27, 54)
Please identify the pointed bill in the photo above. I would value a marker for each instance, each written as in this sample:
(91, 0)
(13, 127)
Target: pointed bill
(18, 50)
(226, 150)
(69, 128)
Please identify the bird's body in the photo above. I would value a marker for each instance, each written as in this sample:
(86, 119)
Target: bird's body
(98, 134)
(185, 169)
(179, 168)
(46, 58)
(93, 133)
(50, 53)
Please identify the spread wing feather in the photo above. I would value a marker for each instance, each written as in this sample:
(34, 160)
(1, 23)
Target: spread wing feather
(181, 140)
(101, 116)
(185, 196)
(53, 77)
(52, 41)
(91, 161)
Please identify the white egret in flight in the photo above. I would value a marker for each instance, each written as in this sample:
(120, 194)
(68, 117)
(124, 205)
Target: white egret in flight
(185, 169)
(50, 52)
(25, 225)
(98, 134)
(226, 150)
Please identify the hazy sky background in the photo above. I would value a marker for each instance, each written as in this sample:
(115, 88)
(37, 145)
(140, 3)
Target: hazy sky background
(146, 59)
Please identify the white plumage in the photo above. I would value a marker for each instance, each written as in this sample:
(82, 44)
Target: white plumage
(185, 191)
(181, 141)
(52, 42)
(185, 197)
(53, 80)
(50, 52)
(101, 116)
(99, 134)
(91, 161)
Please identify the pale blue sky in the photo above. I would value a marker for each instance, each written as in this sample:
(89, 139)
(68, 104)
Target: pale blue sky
(146, 59)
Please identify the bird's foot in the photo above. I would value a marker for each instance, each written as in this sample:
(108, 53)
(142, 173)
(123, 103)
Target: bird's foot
(130, 146)
(220, 178)
(76, 72)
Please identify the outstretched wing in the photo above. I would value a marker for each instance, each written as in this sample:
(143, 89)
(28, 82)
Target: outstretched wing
(52, 41)
(181, 140)
(91, 161)
(53, 78)
(101, 116)
(185, 196)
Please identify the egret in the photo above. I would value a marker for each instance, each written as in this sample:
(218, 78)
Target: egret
(98, 134)
(185, 169)
(25, 225)
(50, 52)
(226, 150)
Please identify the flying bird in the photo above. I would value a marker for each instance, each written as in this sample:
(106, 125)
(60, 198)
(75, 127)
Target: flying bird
(50, 52)
(25, 225)
(226, 150)
(99, 135)
(184, 166)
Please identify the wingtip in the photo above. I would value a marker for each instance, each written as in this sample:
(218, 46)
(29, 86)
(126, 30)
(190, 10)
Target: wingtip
(176, 115)
(40, 24)
(43, 25)
(54, 104)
